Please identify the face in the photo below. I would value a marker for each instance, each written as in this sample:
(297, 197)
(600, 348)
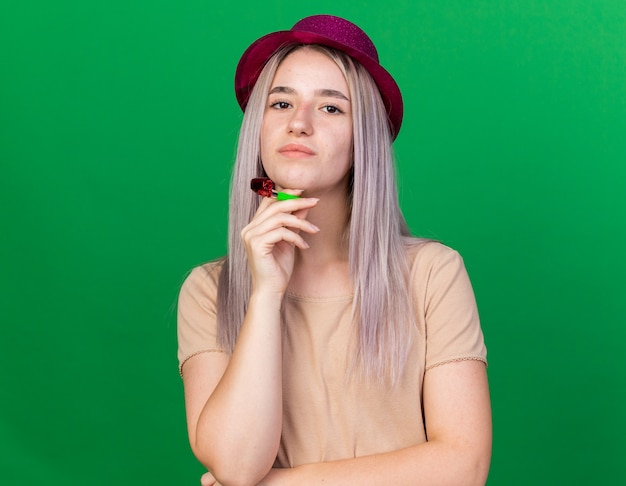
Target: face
(306, 134)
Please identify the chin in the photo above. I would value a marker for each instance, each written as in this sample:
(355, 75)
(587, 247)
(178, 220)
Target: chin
(290, 182)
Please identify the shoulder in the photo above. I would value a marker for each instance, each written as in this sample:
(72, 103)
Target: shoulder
(446, 304)
(206, 274)
(201, 282)
(435, 268)
(425, 253)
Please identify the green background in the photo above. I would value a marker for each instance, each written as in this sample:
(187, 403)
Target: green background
(118, 125)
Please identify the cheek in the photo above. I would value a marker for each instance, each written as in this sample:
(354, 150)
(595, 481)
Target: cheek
(263, 135)
(265, 142)
(346, 148)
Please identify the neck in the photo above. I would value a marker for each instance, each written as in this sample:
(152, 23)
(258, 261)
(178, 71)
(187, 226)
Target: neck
(323, 269)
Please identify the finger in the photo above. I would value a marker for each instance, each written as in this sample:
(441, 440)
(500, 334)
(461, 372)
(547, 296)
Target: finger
(207, 479)
(302, 213)
(265, 242)
(286, 220)
(294, 192)
(275, 221)
(263, 238)
(270, 207)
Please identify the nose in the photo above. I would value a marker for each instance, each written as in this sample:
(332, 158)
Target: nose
(301, 122)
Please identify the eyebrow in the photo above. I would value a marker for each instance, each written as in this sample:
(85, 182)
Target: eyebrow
(326, 92)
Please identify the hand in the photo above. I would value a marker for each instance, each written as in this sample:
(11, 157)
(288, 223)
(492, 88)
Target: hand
(208, 479)
(271, 238)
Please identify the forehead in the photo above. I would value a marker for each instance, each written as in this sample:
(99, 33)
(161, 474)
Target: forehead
(311, 66)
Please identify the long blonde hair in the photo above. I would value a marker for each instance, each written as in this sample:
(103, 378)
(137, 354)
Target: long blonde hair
(379, 270)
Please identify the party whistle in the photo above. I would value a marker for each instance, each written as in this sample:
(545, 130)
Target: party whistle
(264, 186)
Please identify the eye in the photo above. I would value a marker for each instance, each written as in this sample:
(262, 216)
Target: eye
(331, 109)
(280, 105)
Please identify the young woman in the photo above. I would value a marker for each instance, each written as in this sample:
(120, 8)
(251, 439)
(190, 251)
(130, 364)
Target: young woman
(329, 346)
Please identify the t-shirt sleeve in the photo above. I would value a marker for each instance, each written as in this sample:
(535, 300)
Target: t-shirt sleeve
(197, 314)
(452, 324)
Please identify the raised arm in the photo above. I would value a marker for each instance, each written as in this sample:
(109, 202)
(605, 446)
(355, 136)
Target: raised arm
(234, 403)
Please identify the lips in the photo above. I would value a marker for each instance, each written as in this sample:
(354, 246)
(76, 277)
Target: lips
(296, 150)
